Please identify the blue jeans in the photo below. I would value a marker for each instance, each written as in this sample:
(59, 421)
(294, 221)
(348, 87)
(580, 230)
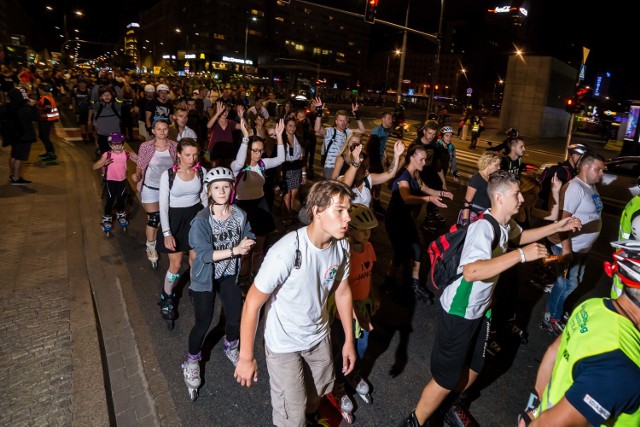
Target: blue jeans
(565, 285)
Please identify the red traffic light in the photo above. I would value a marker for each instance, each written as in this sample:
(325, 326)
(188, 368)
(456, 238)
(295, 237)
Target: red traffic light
(570, 105)
(370, 11)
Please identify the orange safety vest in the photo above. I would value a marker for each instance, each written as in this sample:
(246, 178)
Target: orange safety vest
(48, 113)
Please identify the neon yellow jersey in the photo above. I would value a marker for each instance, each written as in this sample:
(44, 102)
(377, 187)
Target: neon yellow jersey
(592, 329)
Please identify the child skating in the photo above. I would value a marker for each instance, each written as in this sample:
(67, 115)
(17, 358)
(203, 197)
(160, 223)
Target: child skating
(220, 235)
(363, 220)
(114, 164)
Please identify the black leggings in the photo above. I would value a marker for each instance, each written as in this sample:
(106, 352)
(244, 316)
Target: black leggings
(114, 190)
(203, 304)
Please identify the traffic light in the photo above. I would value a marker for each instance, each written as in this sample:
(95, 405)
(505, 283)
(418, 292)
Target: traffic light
(569, 105)
(370, 11)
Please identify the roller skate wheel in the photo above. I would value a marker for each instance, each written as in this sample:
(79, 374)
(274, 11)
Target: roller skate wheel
(170, 324)
(154, 264)
(193, 394)
(107, 234)
(366, 398)
(347, 417)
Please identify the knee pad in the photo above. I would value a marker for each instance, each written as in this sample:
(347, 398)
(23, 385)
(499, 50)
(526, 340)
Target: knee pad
(153, 219)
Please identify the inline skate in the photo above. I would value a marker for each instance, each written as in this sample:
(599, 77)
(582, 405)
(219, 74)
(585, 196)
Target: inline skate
(191, 373)
(341, 401)
(361, 387)
(122, 220)
(152, 254)
(232, 350)
(421, 293)
(106, 225)
(167, 308)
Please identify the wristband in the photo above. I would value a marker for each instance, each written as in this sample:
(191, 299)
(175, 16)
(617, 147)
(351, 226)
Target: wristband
(166, 233)
(522, 258)
(355, 164)
(319, 111)
(232, 255)
(356, 116)
(245, 139)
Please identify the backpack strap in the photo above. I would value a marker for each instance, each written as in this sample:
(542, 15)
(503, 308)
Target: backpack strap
(496, 230)
(104, 174)
(172, 176)
(367, 183)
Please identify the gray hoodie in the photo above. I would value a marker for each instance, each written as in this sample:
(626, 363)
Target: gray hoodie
(207, 235)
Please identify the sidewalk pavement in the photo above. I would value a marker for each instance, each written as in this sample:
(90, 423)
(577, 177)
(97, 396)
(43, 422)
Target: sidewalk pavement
(69, 353)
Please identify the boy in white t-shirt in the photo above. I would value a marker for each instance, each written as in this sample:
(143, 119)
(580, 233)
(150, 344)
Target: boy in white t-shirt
(296, 278)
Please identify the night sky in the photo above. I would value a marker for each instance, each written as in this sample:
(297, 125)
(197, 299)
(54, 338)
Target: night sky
(557, 28)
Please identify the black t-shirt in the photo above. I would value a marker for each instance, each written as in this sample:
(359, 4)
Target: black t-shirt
(434, 163)
(513, 166)
(82, 100)
(481, 198)
(160, 110)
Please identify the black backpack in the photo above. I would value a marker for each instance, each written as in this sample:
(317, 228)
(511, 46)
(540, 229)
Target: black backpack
(445, 252)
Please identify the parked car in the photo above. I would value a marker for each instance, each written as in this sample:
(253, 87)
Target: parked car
(620, 181)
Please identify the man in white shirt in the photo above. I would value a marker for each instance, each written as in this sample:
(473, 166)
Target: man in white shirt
(295, 280)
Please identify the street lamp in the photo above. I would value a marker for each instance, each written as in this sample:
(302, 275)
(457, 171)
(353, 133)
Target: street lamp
(246, 39)
(397, 52)
(461, 71)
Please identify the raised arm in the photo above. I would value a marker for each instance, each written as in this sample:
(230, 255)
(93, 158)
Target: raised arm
(381, 178)
(356, 115)
(220, 107)
(317, 125)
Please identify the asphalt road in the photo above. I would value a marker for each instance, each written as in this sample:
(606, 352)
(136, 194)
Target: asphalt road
(400, 345)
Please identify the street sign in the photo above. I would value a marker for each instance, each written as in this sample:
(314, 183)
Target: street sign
(469, 91)
(583, 69)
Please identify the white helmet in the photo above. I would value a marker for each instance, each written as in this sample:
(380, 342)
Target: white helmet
(446, 129)
(162, 86)
(362, 217)
(219, 174)
(149, 88)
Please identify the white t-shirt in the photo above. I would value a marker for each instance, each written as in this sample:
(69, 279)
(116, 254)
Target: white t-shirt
(296, 312)
(363, 196)
(183, 194)
(336, 146)
(584, 202)
(160, 162)
(471, 300)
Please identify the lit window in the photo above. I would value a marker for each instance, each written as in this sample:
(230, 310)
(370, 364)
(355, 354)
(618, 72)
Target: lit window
(257, 12)
(299, 47)
(325, 52)
(317, 51)
(340, 54)
(279, 18)
(218, 36)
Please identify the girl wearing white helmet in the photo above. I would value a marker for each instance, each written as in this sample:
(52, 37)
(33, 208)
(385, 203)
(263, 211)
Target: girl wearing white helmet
(446, 143)
(182, 196)
(220, 235)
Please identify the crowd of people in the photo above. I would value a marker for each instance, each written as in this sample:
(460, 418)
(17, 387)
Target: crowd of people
(209, 171)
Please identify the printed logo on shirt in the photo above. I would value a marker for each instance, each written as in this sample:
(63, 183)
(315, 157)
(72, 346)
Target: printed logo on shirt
(598, 202)
(597, 408)
(330, 274)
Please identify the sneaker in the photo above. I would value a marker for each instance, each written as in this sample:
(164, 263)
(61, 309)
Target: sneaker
(232, 351)
(552, 326)
(548, 288)
(43, 155)
(19, 181)
(346, 405)
(457, 416)
(412, 421)
(11, 180)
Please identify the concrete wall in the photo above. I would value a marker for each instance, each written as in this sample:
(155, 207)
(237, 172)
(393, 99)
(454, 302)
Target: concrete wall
(534, 94)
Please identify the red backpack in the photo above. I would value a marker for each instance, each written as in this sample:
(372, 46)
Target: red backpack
(445, 252)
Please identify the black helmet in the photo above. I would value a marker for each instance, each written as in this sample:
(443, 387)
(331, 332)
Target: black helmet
(580, 149)
(513, 133)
